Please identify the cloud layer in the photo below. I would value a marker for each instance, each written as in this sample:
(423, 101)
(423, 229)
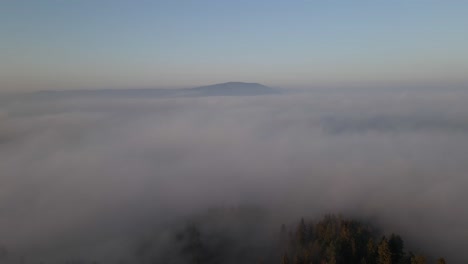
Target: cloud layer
(89, 176)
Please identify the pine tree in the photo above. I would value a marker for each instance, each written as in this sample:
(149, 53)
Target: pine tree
(384, 253)
(396, 246)
(371, 256)
(301, 233)
(418, 259)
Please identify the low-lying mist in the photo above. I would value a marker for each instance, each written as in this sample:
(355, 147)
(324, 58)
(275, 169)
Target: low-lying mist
(92, 177)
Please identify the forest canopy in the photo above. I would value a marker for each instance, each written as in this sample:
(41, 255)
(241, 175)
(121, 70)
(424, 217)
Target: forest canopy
(332, 239)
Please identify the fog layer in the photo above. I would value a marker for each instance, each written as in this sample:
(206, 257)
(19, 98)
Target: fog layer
(88, 177)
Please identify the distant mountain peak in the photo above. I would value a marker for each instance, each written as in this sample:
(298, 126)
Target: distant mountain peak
(220, 89)
(232, 88)
(231, 84)
(238, 83)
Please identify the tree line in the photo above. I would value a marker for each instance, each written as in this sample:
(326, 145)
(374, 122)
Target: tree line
(337, 240)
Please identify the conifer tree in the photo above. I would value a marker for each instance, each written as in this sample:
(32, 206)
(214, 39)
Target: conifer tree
(395, 244)
(418, 259)
(384, 253)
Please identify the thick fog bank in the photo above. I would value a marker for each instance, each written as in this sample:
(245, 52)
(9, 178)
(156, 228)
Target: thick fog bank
(87, 178)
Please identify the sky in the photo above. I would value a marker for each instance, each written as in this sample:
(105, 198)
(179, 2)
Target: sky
(74, 44)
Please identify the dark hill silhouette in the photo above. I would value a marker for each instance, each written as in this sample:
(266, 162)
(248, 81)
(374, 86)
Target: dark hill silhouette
(221, 89)
(232, 89)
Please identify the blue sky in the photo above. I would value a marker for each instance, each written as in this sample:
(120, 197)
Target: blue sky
(70, 44)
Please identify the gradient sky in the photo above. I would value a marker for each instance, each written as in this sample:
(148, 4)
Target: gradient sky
(70, 44)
